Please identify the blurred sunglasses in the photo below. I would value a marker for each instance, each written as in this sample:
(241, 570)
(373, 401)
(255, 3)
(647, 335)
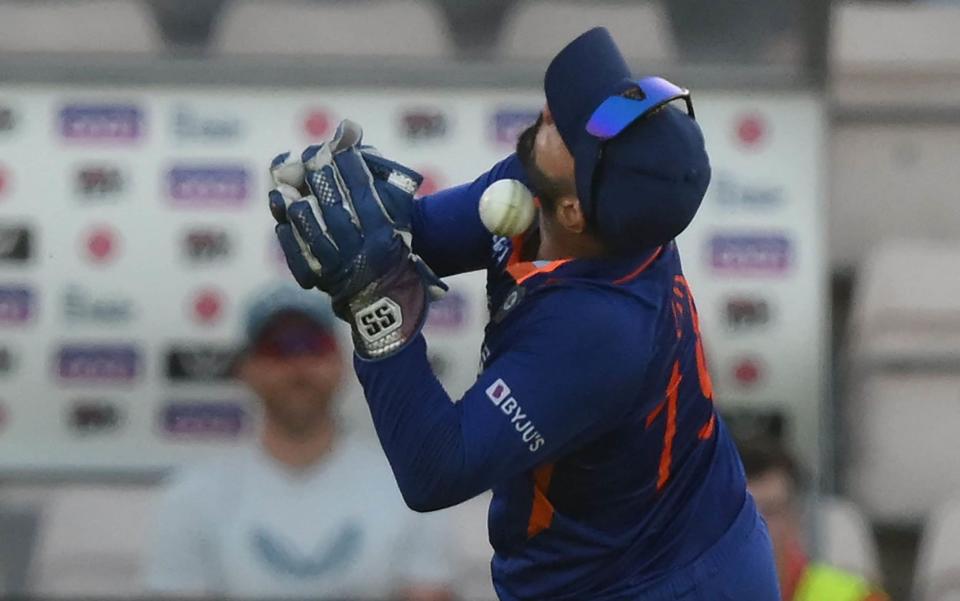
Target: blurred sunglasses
(287, 340)
(616, 113)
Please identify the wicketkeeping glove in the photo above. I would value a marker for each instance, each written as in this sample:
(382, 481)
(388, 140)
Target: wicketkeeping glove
(347, 238)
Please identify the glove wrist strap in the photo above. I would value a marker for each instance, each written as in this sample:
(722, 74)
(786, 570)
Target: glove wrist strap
(388, 313)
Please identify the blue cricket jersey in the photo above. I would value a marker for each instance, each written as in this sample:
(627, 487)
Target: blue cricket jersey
(592, 419)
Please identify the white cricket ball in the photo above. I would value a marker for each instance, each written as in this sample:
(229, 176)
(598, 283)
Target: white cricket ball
(507, 208)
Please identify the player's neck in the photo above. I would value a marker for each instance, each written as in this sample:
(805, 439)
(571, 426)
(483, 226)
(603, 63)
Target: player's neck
(566, 245)
(299, 451)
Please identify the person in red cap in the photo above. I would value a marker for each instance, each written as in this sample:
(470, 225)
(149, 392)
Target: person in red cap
(592, 421)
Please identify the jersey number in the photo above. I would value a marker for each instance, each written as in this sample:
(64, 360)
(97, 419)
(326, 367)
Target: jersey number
(683, 308)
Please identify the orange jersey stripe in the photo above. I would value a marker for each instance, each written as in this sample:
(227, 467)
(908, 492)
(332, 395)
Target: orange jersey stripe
(643, 267)
(541, 512)
(521, 272)
(707, 430)
(666, 456)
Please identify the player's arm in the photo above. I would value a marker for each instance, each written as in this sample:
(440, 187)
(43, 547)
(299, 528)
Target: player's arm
(447, 231)
(572, 372)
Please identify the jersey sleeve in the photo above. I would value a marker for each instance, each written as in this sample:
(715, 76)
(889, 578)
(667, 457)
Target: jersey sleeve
(178, 557)
(447, 231)
(575, 369)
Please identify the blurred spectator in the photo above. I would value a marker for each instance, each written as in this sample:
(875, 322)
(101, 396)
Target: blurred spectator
(774, 480)
(306, 512)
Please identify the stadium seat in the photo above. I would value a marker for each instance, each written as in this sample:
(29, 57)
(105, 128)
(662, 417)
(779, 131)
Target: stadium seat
(374, 28)
(926, 36)
(895, 53)
(846, 539)
(538, 29)
(91, 541)
(891, 181)
(937, 575)
(902, 412)
(68, 26)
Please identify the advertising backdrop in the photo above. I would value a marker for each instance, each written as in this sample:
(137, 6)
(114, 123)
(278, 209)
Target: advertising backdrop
(134, 227)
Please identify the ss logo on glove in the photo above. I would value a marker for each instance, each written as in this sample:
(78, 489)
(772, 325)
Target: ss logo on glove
(379, 319)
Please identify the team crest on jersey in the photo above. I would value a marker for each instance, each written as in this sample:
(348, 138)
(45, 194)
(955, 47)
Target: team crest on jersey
(510, 303)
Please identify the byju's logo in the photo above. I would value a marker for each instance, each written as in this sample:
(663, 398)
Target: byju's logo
(751, 254)
(98, 182)
(212, 186)
(200, 363)
(192, 124)
(509, 124)
(16, 244)
(101, 122)
(747, 312)
(94, 363)
(424, 125)
(499, 394)
(16, 304)
(204, 419)
(81, 305)
(88, 416)
(206, 245)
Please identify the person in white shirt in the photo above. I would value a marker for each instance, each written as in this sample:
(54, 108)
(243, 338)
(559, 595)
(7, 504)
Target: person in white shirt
(306, 512)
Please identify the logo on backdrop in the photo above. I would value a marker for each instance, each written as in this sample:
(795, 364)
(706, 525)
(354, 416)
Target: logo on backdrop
(8, 361)
(424, 124)
(8, 120)
(751, 254)
(747, 312)
(751, 131)
(732, 193)
(448, 313)
(16, 244)
(318, 124)
(209, 186)
(83, 305)
(93, 416)
(101, 122)
(204, 419)
(4, 182)
(508, 124)
(98, 363)
(206, 245)
(99, 182)
(207, 306)
(747, 372)
(193, 124)
(432, 182)
(102, 244)
(16, 304)
(205, 363)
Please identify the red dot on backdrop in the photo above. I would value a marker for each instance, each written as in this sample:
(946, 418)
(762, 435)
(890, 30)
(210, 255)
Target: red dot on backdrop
(752, 130)
(747, 372)
(317, 124)
(431, 182)
(208, 306)
(4, 181)
(101, 244)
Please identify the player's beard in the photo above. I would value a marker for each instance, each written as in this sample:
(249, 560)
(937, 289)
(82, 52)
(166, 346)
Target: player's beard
(545, 188)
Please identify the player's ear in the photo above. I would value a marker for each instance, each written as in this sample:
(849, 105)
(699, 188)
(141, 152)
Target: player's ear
(570, 215)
